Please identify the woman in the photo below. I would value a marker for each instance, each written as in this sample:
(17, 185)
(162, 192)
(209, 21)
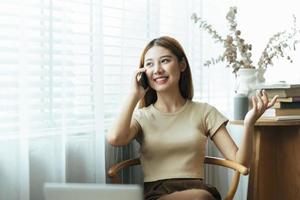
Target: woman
(173, 130)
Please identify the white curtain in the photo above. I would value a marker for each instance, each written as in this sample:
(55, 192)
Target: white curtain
(50, 109)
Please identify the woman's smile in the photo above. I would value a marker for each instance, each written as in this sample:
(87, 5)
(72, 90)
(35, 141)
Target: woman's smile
(161, 80)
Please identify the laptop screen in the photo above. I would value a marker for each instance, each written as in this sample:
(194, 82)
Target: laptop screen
(80, 191)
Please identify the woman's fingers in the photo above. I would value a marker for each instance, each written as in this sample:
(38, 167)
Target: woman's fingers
(266, 101)
(272, 102)
(139, 72)
(265, 98)
(260, 103)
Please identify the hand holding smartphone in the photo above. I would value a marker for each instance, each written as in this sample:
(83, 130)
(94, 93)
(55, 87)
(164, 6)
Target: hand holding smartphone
(144, 80)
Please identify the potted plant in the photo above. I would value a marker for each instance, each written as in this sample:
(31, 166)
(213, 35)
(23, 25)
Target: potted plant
(237, 52)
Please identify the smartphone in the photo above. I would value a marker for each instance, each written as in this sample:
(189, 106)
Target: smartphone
(144, 80)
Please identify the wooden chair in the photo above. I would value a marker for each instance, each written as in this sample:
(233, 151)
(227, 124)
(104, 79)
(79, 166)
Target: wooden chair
(239, 169)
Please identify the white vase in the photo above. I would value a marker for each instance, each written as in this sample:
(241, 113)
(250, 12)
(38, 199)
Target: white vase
(246, 81)
(260, 75)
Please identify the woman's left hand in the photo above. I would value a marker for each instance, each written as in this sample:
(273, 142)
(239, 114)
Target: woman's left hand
(260, 103)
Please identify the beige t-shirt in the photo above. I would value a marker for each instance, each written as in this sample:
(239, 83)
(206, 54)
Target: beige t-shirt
(173, 144)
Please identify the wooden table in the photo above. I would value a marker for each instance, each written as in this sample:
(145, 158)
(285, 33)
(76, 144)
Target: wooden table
(275, 170)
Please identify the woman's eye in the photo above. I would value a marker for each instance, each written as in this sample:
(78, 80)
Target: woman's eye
(149, 64)
(165, 61)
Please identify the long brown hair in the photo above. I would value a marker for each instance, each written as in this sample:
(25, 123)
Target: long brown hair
(185, 81)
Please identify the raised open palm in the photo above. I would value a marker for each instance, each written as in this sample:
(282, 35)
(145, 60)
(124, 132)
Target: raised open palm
(260, 103)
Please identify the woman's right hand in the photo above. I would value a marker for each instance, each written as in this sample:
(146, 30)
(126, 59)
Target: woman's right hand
(137, 88)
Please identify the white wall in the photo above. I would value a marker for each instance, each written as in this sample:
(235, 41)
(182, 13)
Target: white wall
(259, 20)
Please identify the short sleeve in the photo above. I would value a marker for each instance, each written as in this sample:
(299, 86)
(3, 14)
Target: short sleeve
(137, 124)
(213, 120)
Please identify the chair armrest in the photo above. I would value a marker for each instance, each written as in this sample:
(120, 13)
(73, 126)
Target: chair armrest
(114, 169)
(240, 169)
(226, 163)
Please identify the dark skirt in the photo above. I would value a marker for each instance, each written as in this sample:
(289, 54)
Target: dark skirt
(156, 189)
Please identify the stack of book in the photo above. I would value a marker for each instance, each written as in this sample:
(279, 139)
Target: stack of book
(287, 106)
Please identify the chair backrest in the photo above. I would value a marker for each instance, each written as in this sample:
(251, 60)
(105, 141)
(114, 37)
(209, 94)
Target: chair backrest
(239, 169)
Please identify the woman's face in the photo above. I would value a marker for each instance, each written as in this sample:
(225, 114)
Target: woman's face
(162, 68)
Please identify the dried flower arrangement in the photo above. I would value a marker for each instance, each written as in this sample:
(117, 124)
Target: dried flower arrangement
(234, 44)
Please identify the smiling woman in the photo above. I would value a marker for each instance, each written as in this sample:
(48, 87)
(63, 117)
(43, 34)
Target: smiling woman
(128, 26)
(162, 140)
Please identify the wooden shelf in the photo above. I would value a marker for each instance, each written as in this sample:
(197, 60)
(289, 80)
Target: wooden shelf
(268, 122)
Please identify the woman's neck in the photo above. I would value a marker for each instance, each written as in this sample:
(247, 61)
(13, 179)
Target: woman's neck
(169, 102)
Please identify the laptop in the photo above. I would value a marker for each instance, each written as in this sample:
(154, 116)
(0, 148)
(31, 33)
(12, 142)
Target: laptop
(82, 191)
